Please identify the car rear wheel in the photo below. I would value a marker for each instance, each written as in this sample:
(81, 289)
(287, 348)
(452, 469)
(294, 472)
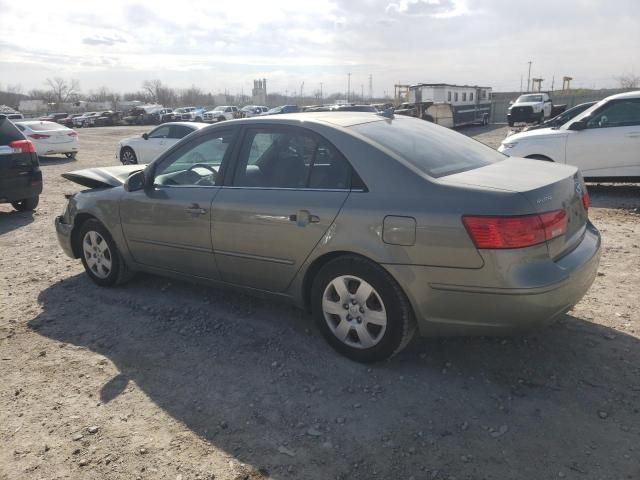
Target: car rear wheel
(100, 256)
(361, 310)
(128, 156)
(27, 204)
(71, 155)
(221, 119)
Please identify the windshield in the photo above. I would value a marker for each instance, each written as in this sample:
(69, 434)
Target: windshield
(433, 150)
(529, 98)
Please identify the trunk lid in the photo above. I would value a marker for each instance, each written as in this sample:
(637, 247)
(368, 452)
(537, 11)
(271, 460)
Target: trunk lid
(102, 177)
(547, 186)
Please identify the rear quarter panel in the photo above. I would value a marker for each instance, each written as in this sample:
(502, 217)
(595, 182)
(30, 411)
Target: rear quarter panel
(552, 146)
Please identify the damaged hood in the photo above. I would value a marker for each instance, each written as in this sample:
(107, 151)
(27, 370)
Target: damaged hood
(102, 177)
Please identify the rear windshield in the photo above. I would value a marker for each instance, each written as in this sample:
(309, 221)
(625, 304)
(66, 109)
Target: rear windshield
(40, 126)
(8, 132)
(434, 150)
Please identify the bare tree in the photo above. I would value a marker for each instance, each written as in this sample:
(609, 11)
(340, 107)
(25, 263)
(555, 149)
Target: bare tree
(158, 93)
(63, 90)
(629, 81)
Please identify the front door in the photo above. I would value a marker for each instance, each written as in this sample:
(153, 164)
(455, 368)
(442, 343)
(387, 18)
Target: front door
(288, 187)
(168, 225)
(610, 145)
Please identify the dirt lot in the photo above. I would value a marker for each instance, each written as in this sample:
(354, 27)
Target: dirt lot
(167, 380)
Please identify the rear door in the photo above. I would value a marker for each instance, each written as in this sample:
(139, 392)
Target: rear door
(610, 145)
(18, 169)
(288, 186)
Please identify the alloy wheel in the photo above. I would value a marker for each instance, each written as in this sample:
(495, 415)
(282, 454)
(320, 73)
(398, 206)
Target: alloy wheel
(97, 254)
(354, 311)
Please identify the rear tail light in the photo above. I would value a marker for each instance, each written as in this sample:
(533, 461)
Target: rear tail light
(38, 136)
(515, 231)
(23, 146)
(586, 201)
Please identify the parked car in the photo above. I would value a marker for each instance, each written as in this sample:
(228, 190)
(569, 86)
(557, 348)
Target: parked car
(380, 226)
(20, 175)
(53, 117)
(108, 119)
(50, 138)
(183, 113)
(68, 120)
(148, 146)
(603, 141)
(220, 114)
(163, 115)
(86, 119)
(252, 110)
(563, 118)
(14, 116)
(343, 108)
(142, 115)
(282, 109)
(533, 107)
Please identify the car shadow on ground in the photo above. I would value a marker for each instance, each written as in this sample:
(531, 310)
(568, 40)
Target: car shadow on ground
(614, 195)
(471, 130)
(55, 160)
(253, 378)
(12, 219)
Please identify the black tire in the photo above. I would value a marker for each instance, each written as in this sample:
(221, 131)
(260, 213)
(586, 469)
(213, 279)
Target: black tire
(198, 119)
(221, 119)
(71, 155)
(119, 273)
(428, 118)
(485, 120)
(128, 156)
(400, 321)
(511, 123)
(540, 157)
(541, 119)
(26, 205)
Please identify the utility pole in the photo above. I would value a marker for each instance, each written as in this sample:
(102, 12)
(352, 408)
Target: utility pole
(370, 87)
(302, 93)
(529, 77)
(348, 86)
(362, 92)
(553, 81)
(321, 93)
(520, 83)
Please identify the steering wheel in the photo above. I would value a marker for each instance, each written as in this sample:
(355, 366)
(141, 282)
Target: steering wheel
(203, 165)
(208, 180)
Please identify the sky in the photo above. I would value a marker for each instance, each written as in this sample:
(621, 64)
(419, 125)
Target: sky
(223, 45)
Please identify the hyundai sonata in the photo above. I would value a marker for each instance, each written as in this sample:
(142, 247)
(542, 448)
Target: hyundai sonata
(379, 226)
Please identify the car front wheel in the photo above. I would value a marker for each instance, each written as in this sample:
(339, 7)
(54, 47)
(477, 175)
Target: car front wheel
(100, 256)
(361, 310)
(128, 156)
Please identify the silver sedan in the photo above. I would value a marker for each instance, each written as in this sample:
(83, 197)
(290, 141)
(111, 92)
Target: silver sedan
(379, 226)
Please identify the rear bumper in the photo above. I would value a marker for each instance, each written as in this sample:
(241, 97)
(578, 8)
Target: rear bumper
(456, 308)
(31, 187)
(63, 230)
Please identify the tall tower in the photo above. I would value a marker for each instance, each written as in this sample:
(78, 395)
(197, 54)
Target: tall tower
(259, 92)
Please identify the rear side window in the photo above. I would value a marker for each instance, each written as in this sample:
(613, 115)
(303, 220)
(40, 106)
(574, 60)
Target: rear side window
(9, 132)
(179, 131)
(433, 150)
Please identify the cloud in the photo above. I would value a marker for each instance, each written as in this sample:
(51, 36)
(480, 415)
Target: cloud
(109, 41)
(422, 7)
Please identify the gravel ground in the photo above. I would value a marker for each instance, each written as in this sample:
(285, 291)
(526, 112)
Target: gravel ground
(167, 380)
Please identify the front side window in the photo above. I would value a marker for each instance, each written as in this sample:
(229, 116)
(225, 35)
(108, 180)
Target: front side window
(196, 163)
(290, 158)
(160, 132)
(618, 113)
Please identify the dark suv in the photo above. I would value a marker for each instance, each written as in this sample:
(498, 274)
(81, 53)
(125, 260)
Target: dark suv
(20, 175)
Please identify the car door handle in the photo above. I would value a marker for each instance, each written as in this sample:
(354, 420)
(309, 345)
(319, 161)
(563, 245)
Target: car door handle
(303, 218)
(195, 209)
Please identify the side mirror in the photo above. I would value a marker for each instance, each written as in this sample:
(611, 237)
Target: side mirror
(510, 102)
(579, 125)
(136, 181)
(145, 136)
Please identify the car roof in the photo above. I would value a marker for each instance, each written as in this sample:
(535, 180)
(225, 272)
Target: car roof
(634, 94)
(197, 125)
(339, 119)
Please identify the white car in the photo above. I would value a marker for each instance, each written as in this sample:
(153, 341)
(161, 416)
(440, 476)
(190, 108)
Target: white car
(50, 138)
(145, 148)
(532, 107)
(603, 141)
(220, 114)
(253, 110)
